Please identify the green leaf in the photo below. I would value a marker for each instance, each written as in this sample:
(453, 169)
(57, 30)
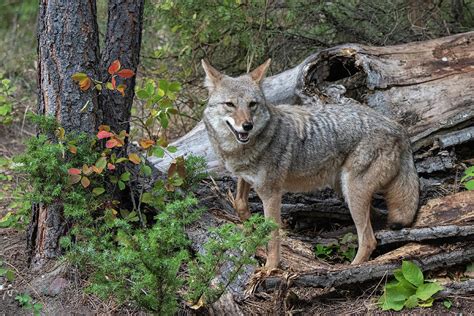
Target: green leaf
(146, 170)
(98, 191)
(427, 290)
(469, 185)
(121, 160)
(147, 198)
(142, 94)
(101, 163)
(7, 220)
(174, 86)
(427, 303)
(398, 291)
(163, 84)
(3, 271)
(411, 302)
(150, 87)
(172, 149)
(5, 109)
(158, 152)
(78, 76)
(121, 185)
(391, 304)
(164, 121)
(469, 171)
(125, 176)
(412, 273)
(10, 275)
(447, 303)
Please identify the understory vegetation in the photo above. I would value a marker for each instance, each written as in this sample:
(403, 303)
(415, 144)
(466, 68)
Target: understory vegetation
(153, 263)
(139, 253)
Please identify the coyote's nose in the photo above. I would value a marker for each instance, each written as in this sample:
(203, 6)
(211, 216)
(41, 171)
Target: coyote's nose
(247, 126)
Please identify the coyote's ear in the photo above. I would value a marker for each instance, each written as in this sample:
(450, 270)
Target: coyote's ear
(259, 73)
(213, 76)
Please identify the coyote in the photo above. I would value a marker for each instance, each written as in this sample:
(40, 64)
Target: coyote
(277, 149)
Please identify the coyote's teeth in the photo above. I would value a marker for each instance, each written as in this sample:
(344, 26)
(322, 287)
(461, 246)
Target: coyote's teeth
(243, 136)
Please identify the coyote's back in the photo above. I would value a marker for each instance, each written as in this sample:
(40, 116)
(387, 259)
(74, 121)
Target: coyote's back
(352, 149)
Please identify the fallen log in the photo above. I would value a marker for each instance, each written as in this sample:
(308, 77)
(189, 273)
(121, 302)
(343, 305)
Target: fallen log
(427, 257)
(428, 87)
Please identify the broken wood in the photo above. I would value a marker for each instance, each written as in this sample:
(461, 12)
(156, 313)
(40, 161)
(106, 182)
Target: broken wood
(428, 87)
(427, 257)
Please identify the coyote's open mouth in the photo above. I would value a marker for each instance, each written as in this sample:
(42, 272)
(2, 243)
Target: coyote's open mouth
(241, 137)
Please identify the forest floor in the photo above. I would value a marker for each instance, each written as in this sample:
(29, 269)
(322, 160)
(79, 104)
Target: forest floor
(69, 298)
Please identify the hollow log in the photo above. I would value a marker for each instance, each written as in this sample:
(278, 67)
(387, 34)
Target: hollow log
(428, 87)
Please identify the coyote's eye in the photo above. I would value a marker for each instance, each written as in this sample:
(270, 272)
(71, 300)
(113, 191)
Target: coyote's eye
(253, 104)
(230, 104)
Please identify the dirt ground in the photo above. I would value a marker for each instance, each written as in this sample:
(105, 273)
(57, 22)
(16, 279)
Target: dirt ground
(72, 300)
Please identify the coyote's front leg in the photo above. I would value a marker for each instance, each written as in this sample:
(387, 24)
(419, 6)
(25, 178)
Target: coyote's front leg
(272, 209)
(241, 202)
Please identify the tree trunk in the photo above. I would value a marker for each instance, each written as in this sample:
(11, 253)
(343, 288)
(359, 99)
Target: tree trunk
(122, 42)
(67, 43)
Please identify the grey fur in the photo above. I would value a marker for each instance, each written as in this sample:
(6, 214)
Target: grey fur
(352, 149)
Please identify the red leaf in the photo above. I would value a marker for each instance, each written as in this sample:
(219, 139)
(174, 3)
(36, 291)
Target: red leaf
(85, 84)
(104, 134)
(110, 166)
(114, 67)
(74, 171)
(126, 73)
(111, 143)
(146, 143)
(114, 83)
(73, 149)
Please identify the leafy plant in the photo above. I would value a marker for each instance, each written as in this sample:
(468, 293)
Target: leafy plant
(468, 178)
(115, 70)
(6, 104)
(27, 302)
(447, 303)
(9, 274)
(228, 246)
(344, 250)
(409, 289)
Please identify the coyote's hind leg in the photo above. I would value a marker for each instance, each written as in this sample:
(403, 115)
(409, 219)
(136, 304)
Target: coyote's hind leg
(359, 200)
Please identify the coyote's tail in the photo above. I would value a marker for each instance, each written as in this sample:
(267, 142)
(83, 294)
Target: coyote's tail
(402, 194)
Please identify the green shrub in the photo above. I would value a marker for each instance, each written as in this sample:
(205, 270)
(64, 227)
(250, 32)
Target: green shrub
(409, 289)
(138, 255)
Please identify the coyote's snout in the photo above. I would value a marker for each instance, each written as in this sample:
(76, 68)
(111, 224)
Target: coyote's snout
(278, 149)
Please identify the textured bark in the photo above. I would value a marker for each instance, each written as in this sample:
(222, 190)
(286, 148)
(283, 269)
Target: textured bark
(67, 43)
(426, 256)
(122, 42)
